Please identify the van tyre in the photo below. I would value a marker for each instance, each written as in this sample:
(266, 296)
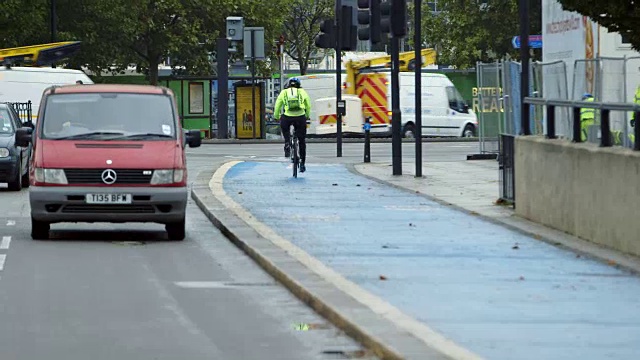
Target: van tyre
(176, 231)
(469, 131)
(39, 230)
(16, 184)
(409, 131)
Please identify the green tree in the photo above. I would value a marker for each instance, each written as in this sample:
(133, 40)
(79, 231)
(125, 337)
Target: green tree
(301, 27)
(23, 22)
(465, 32)
(622, 16)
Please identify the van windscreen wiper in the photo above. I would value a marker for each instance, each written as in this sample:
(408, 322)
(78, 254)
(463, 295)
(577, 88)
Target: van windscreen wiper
(90, 135)
(144, 136)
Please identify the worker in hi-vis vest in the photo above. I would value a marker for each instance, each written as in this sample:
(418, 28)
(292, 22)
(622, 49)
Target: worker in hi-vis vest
(587, 117)
(636, 100)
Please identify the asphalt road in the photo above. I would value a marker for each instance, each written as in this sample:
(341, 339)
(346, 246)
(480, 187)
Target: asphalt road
(103, 291)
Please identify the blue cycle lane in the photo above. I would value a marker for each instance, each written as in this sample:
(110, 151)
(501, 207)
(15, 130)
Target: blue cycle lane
(497, 292)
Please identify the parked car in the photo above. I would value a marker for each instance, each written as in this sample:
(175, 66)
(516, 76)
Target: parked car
(108, 153)
(14, 159)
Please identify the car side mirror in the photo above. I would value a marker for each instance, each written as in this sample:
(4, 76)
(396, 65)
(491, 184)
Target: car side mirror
(23, 136)
(193, 138)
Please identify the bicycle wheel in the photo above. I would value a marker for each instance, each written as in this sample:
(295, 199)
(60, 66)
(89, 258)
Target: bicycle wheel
(296, 157)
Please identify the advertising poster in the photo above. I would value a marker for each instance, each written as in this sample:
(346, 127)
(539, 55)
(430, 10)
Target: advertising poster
(244, 111)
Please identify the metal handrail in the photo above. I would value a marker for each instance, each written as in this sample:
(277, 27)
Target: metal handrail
(605, 126)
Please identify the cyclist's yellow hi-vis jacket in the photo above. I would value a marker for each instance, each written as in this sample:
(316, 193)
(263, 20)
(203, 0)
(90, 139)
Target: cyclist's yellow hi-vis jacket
(283, 101)
(587, 118)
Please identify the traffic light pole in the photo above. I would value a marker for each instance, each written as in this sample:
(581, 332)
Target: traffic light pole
(338, 79)
(524, 75)
(417, 42)
(396, 121)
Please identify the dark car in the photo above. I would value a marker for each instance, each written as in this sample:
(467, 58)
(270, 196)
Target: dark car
(14, 160)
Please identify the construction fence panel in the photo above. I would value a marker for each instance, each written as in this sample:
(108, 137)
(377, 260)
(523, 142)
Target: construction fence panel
(612, 89)
(511, 96)
(489, 109)
(632, 82)
(550, 82)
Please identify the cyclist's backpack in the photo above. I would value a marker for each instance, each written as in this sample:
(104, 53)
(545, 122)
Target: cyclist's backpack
(295, 101)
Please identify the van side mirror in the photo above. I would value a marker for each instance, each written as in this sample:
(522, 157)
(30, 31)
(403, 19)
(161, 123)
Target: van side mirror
(23, 136)
(465, 108)
(193, 138)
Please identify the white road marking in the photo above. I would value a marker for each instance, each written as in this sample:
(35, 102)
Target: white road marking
(6, 241)
(418, 329)
(2, 259)
(11, 223)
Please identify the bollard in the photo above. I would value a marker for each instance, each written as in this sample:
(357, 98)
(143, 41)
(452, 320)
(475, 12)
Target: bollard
(605, 129)
(367, 140)
(577, 128)
(551, 122)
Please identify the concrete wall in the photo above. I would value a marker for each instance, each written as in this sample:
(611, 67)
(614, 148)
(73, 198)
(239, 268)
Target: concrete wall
(582, 189)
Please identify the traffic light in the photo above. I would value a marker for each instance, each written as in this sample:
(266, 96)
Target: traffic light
(327, 37)
(399, 18)
(369, 14)
(385, 17)
(348, 31)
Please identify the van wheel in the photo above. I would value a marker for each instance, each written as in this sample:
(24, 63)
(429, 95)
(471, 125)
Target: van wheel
(176, 231)
(16, 184)
(469, 131)
(409, 131)
(39, 229)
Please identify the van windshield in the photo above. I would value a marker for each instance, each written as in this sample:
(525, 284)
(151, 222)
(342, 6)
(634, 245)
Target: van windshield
(108, 116)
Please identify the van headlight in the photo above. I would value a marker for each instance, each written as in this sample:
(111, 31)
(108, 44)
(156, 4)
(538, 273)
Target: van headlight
(167, 176)
(4, 153)
(51, 176)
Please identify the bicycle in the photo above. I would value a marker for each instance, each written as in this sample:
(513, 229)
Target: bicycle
(294, 150)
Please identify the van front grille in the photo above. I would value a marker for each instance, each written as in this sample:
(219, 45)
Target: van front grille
(94, 176)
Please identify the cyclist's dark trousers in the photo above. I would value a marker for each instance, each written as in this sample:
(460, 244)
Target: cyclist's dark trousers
(300, 124)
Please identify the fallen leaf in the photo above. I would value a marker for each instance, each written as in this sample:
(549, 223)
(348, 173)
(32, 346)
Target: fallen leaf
(578, 256)
(521, 278)
(358, 185)
(611, 262)
(383, 278)
(334, 184)
(515, 247)
(240, 192)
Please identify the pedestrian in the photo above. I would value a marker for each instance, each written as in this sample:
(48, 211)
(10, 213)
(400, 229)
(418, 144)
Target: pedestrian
(297, 110)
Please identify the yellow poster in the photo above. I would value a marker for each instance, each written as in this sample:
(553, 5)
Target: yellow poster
(244, 112)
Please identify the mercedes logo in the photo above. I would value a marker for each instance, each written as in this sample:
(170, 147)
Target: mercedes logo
(109, 176)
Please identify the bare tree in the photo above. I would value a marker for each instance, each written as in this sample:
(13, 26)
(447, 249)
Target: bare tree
(301, 27)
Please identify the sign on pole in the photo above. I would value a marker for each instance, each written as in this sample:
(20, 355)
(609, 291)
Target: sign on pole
(535, 42)
(258, 47)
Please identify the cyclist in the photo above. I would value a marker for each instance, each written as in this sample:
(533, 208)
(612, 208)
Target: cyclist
(297, 109)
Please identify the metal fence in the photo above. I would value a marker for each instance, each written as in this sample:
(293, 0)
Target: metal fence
(24, 110)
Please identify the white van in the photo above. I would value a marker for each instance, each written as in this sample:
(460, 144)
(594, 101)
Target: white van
(444, 110)
(23, 84)
(318, 86)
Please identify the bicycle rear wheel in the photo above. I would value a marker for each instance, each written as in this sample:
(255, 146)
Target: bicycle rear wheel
(296, 157)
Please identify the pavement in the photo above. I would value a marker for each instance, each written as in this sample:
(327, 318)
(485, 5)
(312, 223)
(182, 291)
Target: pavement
(123, 291)
(447, 271)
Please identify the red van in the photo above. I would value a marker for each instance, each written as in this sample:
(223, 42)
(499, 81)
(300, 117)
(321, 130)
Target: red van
(108, 153)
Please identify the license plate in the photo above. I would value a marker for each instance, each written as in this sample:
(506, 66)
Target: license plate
(108, 198)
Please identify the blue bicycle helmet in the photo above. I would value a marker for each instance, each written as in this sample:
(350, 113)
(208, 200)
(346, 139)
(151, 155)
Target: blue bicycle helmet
(586, 96)
(295, 82)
